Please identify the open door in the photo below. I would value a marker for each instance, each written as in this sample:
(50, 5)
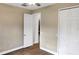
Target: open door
(36, 18)
(28, 30)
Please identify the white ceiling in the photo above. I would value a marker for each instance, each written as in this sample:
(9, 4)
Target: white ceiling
(30, 7)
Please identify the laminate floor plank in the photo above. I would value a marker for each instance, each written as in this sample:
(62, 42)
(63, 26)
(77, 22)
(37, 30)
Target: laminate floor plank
(33, 50)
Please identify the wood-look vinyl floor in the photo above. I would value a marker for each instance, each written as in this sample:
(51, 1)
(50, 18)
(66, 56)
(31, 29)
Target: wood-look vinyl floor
(33, 50)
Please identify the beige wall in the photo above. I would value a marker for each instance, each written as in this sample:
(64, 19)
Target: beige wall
(11, 27)
(49, 25)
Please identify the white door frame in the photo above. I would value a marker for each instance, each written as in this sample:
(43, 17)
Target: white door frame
(36, 27)
(58, 41)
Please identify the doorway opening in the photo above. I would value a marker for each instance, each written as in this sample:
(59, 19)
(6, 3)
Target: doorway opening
(39, 33)
(37, 40)
(32, 29)
(37, 18)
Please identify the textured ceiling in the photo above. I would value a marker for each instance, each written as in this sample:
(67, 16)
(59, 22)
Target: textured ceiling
(31, 7)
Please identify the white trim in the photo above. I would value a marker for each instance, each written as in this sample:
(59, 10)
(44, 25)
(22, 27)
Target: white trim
(70, 7)
(8, 51)
(52, 52)
(36, 27)
(28, 46)
(58, 41)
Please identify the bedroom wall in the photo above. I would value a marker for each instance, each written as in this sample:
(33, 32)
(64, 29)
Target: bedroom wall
(11, 27)
(49, 25)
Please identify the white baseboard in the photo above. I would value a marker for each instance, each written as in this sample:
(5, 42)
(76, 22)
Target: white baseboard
(36, 42)
(48, 51)
(8, 51)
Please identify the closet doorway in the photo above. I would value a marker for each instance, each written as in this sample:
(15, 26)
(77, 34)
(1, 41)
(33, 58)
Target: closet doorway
(36, 18)
(68, 42)
(31, 29)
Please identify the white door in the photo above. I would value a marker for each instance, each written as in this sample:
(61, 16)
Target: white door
(28, 30)
(36, 18)
(69, 31)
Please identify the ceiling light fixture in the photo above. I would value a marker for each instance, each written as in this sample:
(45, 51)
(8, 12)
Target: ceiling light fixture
(31, 4)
